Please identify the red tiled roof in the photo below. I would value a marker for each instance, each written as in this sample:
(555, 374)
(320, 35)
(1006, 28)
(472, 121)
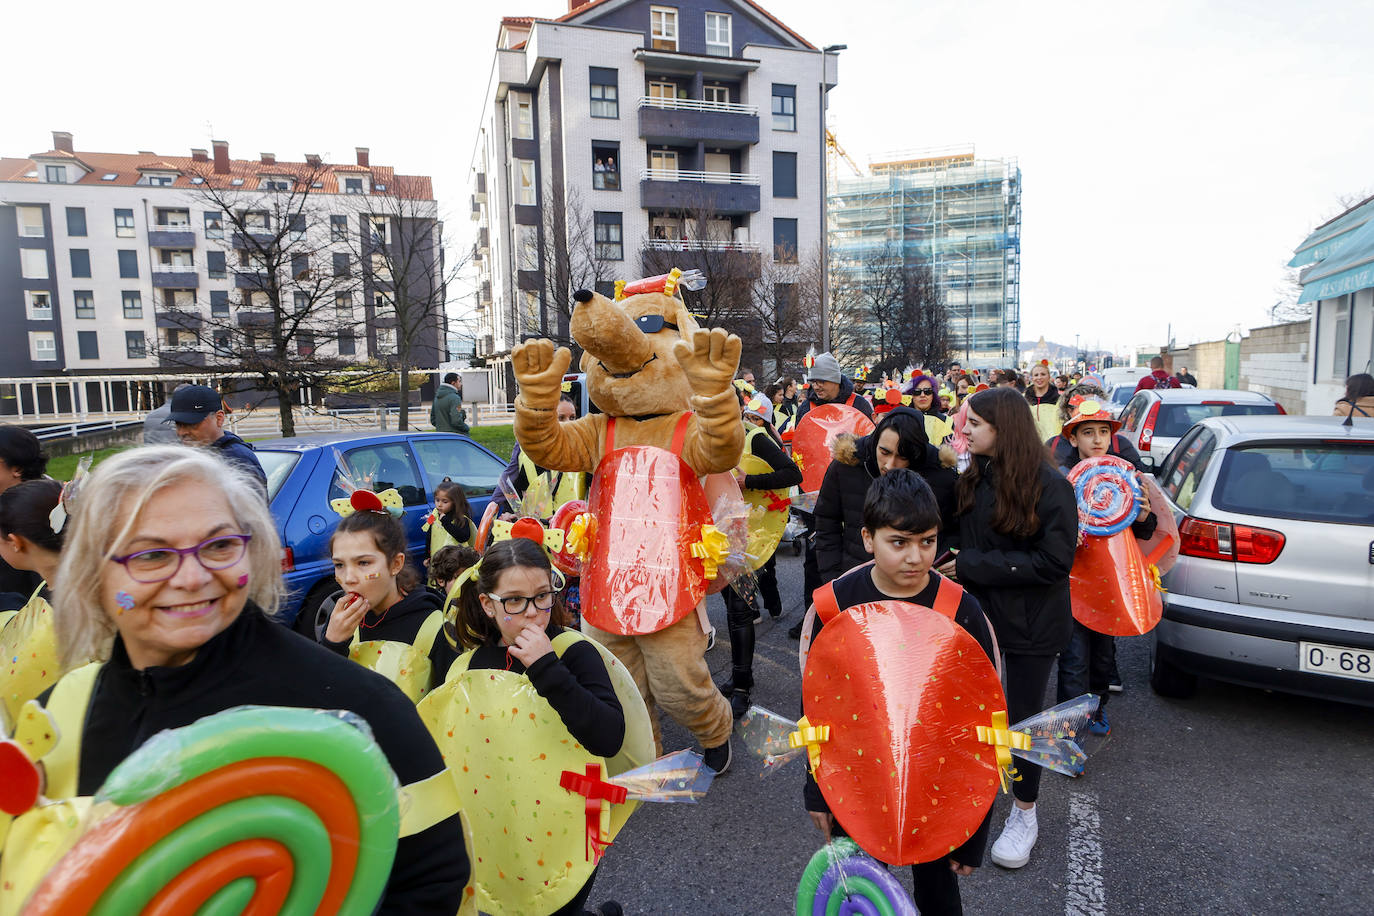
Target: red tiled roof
(573, 14)
(126, 167)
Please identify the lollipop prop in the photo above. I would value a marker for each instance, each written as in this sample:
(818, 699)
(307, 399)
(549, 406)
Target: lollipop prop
(841, 879)
(1108, 494)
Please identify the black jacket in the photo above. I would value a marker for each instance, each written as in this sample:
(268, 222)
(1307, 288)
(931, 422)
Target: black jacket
(255, 662)
(840, 502)
(846, 389)
(1022, 583)
(785, 472)
(401, 623)
(240, 453)
(1062, 452)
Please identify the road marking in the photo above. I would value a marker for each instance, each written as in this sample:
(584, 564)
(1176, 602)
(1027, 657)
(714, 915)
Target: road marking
(1086, 894)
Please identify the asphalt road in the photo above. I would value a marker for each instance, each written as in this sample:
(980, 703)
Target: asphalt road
(1235, 801)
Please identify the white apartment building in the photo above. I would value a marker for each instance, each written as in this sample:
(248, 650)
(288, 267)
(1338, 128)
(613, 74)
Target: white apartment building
(111, 262)
(650, 112)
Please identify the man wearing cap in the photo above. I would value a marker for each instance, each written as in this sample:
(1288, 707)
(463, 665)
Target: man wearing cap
(829, 386)
(198, 414)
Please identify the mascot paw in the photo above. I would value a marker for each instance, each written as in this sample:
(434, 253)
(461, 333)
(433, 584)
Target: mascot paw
(709, 360)
(539, 369)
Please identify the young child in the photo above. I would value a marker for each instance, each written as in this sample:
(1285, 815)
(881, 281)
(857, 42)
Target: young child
(384, 599)
(508, 616)
(451, 512)
(1089, 662)
(28, 642)
(901, 525)
(447, 564)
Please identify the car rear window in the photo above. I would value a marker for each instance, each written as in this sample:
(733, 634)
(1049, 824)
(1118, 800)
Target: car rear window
(1122, 395)
(1176, 419)
(278, 466)
(1316, 481)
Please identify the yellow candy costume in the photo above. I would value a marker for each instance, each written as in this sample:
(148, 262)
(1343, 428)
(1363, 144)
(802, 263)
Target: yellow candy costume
(545, 491)
(28, 656)
(439, 536)
(768, 508)
(405, 665)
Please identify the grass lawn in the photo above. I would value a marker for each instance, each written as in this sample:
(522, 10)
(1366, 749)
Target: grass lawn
(64, 466)
(500, 439)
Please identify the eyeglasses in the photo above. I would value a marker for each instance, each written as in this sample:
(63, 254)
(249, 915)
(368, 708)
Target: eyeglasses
(162, 563)
(924, 392)
(519, 604)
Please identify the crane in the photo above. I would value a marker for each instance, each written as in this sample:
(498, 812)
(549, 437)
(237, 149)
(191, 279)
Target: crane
(833, 149)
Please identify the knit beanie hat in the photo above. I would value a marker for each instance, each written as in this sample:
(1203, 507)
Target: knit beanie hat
(826, 369)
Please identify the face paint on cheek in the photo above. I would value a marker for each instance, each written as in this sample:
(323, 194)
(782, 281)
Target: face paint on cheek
(124, 600)
(243, 580)
(372, 576)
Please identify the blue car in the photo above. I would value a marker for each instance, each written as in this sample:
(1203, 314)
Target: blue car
(303, 476)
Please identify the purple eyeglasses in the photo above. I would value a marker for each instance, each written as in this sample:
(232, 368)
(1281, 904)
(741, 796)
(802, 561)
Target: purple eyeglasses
(162, 563)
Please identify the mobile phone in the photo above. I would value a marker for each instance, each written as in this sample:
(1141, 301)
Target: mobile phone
(944, 558)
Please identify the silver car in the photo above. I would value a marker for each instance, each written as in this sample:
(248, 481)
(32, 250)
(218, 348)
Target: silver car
(1274, 584)
(1155, 419)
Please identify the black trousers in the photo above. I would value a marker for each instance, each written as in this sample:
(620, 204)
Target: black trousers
(768, 586)
(935, 887)
(739, 618)
(1027, 678)
(1086, 665)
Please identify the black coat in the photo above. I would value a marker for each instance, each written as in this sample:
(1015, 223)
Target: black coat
(255, 662)
(1022, 583)
(1063, 454)
(840, 502)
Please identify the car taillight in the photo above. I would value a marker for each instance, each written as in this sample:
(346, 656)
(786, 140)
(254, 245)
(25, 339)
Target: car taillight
(1234, 543)
(1279, 408)
(1147, 429)
(288, 559)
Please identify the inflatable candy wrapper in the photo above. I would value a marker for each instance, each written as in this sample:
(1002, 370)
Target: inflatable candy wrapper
(484, 526)
(841, 878)
(28, 656)
(256, 810)
(816, 433)
(730, 514)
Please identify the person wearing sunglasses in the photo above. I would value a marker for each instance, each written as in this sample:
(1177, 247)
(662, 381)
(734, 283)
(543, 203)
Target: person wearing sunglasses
(923, 390)
(170, 575)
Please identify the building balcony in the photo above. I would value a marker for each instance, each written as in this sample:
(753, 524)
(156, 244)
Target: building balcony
(248, 279)
(248, 319)
(260, 238)
(178, 319)
(175, 276)
(717, 192)
(679, 121)
(709, 256)
(171, 237)
(181, 357)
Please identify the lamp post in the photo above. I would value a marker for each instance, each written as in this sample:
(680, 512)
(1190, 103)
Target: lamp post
(825, 201)
(968, 307)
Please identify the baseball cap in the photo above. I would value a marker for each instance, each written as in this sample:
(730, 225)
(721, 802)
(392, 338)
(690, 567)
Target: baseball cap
(193, 403)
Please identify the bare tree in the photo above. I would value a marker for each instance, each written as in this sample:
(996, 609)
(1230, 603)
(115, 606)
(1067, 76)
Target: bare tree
(875, 286)
(731, 268)
(785, 309)
(559, 257)
(920, 333)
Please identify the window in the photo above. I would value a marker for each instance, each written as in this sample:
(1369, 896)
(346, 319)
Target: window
(257, 221)
(718, 34)
(379, 225)
(305, 344)
(42, 346)
(381, 267)
(109, 176)
(382, 304)
(76, 221)
(300, 266)
(784, 174)
(527, 247)
(343, 307)
(386, 341)
(353, 186)
(605, 165)
(214, 263)
(715, 94)
(663, 160)
(128, 264)
(341, 264)
(380, 467)
(301, 302)
(605, 93)
(276, 184)
(173, 219)
(84, 299)
(88, 344)
(124, 224)
(785, 241)
(178, 259)
(524, 181)
(609, 243)
(784, 304)
(219, 303)
(55, 174)
(30, 222)
(524, 117)
(236, 182)
(33, 263)
(1180, 482)
(1340, 357)
(133, 303)
(347, 344)
(81, 262)
(662, 89)
(297, 224)
(135, 345)
(40, 305)
(338, 228)
(784, 107)
(161, 181)
(473, 469)
(663, 28)
(531, 310)
(220, 343)
(214, 225)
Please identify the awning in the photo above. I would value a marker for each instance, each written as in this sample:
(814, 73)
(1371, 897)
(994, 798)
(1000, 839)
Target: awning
(1348, 268)
(1326, 239)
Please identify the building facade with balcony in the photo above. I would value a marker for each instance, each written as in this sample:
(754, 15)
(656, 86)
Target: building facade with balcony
(656, 133)
(119, 263)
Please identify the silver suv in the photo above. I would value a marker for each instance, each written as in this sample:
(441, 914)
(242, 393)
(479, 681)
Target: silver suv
(1274, 585)
(1155, 419)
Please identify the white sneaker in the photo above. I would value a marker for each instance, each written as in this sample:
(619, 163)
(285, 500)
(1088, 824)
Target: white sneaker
(1013, 847)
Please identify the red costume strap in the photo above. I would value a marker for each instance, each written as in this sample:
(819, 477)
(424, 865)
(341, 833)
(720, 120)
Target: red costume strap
(1160, 550)
(947, 598)
(827, 608)
(849, 401)
(610, 436)
(680, 433)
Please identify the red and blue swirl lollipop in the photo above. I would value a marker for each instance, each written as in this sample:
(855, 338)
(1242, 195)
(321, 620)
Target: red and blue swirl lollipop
(1108, 494)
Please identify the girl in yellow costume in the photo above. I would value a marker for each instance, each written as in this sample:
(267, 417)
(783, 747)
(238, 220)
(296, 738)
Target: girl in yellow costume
(449, 525)
(28, 645)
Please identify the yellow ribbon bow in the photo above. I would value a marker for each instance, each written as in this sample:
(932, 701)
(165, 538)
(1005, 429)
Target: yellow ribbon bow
(1003, 739)
(810, 737)
(580, 534)
(711, 550)
(1154, 574)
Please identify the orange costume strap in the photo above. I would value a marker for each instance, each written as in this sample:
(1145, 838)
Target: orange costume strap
(947, 598)
(849, 401)
(679, 434)
(827, 607)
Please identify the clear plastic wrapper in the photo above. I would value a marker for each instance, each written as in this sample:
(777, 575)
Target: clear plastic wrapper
(730, 515)
(1108, 494)
(816, 433)
(1112, 589)
(765, 734)
(678, 778)
(841, 878)
(1054, 735)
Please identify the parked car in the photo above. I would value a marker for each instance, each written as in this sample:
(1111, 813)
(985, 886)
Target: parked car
(1274, 584)
(303, 476)
(1119, 397)
(1118, 376)
(1155, 419)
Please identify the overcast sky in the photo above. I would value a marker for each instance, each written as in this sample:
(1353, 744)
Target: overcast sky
(1173, 153)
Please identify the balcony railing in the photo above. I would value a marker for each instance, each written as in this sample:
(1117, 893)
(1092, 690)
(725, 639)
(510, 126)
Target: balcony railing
(697, 105)
(174, 268)
(691, 175)
(699, 245)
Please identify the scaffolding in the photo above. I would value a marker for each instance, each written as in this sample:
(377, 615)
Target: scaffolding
(954, 212)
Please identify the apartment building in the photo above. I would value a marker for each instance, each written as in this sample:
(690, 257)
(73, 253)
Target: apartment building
(647, 132)
(121, 263)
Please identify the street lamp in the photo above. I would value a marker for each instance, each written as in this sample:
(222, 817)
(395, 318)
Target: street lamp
(968, 307)
(825, 200)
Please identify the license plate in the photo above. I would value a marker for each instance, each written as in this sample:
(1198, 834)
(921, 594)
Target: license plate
(1339, 661)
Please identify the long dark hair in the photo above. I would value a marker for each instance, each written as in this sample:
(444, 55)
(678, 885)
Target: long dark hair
(910, 426)
(21, 449)
(454, 491)
(389, 537)
(24, 510)
(473, 627)
(1018, 458)
(1359, 385)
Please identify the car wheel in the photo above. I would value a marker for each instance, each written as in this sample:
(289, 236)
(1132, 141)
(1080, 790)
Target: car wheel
(1167, 679)
(315, 609)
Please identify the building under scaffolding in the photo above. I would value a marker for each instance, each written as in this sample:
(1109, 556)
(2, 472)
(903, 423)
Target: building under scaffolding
(958, 214)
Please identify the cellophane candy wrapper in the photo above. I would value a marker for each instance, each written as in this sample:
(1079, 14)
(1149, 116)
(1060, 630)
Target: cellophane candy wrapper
(730, 514)
(764, 733)
(513, 500)
(805, 502)
(1054, 735)
(678, 778)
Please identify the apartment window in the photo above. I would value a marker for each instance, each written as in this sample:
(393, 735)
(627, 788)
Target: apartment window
(386, 341)
(381, 267)
(43, 346)
(88, 344)
(715, 94)
(220, 341)
(128, 264)
(30, 222)
(178, 259)
(341, 264)
(301, 301)
(605, 93)
(160, 181)
(84, 299)
(305, 344)
(257, 221)
(609, 241)
(663, 28)
(135, 345)
(124, 224)
(531, 310)
(81, 262)
(173, 219)
(214, 225)
(382, 305)
(55, 174)
(784, 107)
(663, 160)
(33, 263)
(338, 228)
(133, 303)
(524, 117)
(524, 181)
(76, 221)
(347, 344)
(379, 225)
(662, 90)
(297, 226)
(300, 266)
(718, 34)
(40, 305)
(784, 174)
(527, 247)
(214, 263)
(343, 308)
(784, 303)
(219, 303)
(353, 186)
(785, 241)
(276, 184)
(605, 166)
